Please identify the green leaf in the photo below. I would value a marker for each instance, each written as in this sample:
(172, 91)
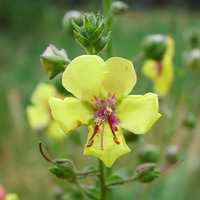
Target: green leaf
(94, 193)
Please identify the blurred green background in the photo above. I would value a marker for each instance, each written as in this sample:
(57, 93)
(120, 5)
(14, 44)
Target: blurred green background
(26, 29)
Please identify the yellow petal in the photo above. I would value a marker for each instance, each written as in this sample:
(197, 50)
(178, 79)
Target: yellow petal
(149, 69)
(38, 116)
(12, 196)
(111, 150)
(54, 131)
(138, 113)
(121, 77)
(170, 47)
(70, 112)
(42, 93)
(84, 77)
(163, 83)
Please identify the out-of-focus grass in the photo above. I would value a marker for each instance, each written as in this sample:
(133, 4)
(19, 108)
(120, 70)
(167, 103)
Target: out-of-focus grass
(22, 169)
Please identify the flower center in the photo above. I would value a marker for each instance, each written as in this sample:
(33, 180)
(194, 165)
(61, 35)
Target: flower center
(104, 112)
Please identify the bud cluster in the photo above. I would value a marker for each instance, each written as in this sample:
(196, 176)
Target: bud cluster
(90, 34)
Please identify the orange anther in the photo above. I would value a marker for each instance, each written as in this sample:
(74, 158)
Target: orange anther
(100, 121)
(108, 111)
(116, 128)
(116, 140)
(90, 143)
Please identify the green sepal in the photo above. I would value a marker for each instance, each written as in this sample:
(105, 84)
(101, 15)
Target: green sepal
(64, 168)
(146, 172)
(56, 70)
(55, 59)
(97, 33)
(82, 40)
(101, 43)
(57, 172)
(87, 25)
(92, 19)
(79, 29)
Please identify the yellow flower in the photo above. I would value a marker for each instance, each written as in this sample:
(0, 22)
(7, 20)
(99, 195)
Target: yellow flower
(161, 72)
(101, 89)
(39, 114)
(12, 196)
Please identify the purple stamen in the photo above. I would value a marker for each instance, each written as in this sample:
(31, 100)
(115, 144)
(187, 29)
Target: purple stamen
(168, 167)
(159, 67)
(102, 136)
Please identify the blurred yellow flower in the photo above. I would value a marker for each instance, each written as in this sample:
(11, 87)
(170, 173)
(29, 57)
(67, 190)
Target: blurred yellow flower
(100, 88)
(39, 113)
(161, 72)
(12, 196)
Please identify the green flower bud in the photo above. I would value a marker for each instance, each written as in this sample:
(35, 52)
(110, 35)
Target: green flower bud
(63, 168)
(154, 47)
(118, 7)
(148, 153)
(193, 37)
(172, 154)
(146, 172)
(54, 61)
(192, 59)
(74, 15)
(89, 36)
(189, 121)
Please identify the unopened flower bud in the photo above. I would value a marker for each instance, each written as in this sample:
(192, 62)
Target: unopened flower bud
(154, 47)
(90, 34)
(189, 121)
(74, 15)
(54, 61)
(148, 153)
(118, 7)
(146, 172)
(193, 37)
(63, 168)
(192, 59)
(172, 154)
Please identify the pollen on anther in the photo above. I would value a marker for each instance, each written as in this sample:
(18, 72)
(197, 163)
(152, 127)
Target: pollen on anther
(116, 128)
(90, 143)
(116, 140)
(108, 111)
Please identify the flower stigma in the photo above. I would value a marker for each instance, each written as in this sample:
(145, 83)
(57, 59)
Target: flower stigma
(104, 112)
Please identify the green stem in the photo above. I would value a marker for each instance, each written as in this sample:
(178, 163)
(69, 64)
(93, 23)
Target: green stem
(109, 22)
(103, 188)
(133, 178)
